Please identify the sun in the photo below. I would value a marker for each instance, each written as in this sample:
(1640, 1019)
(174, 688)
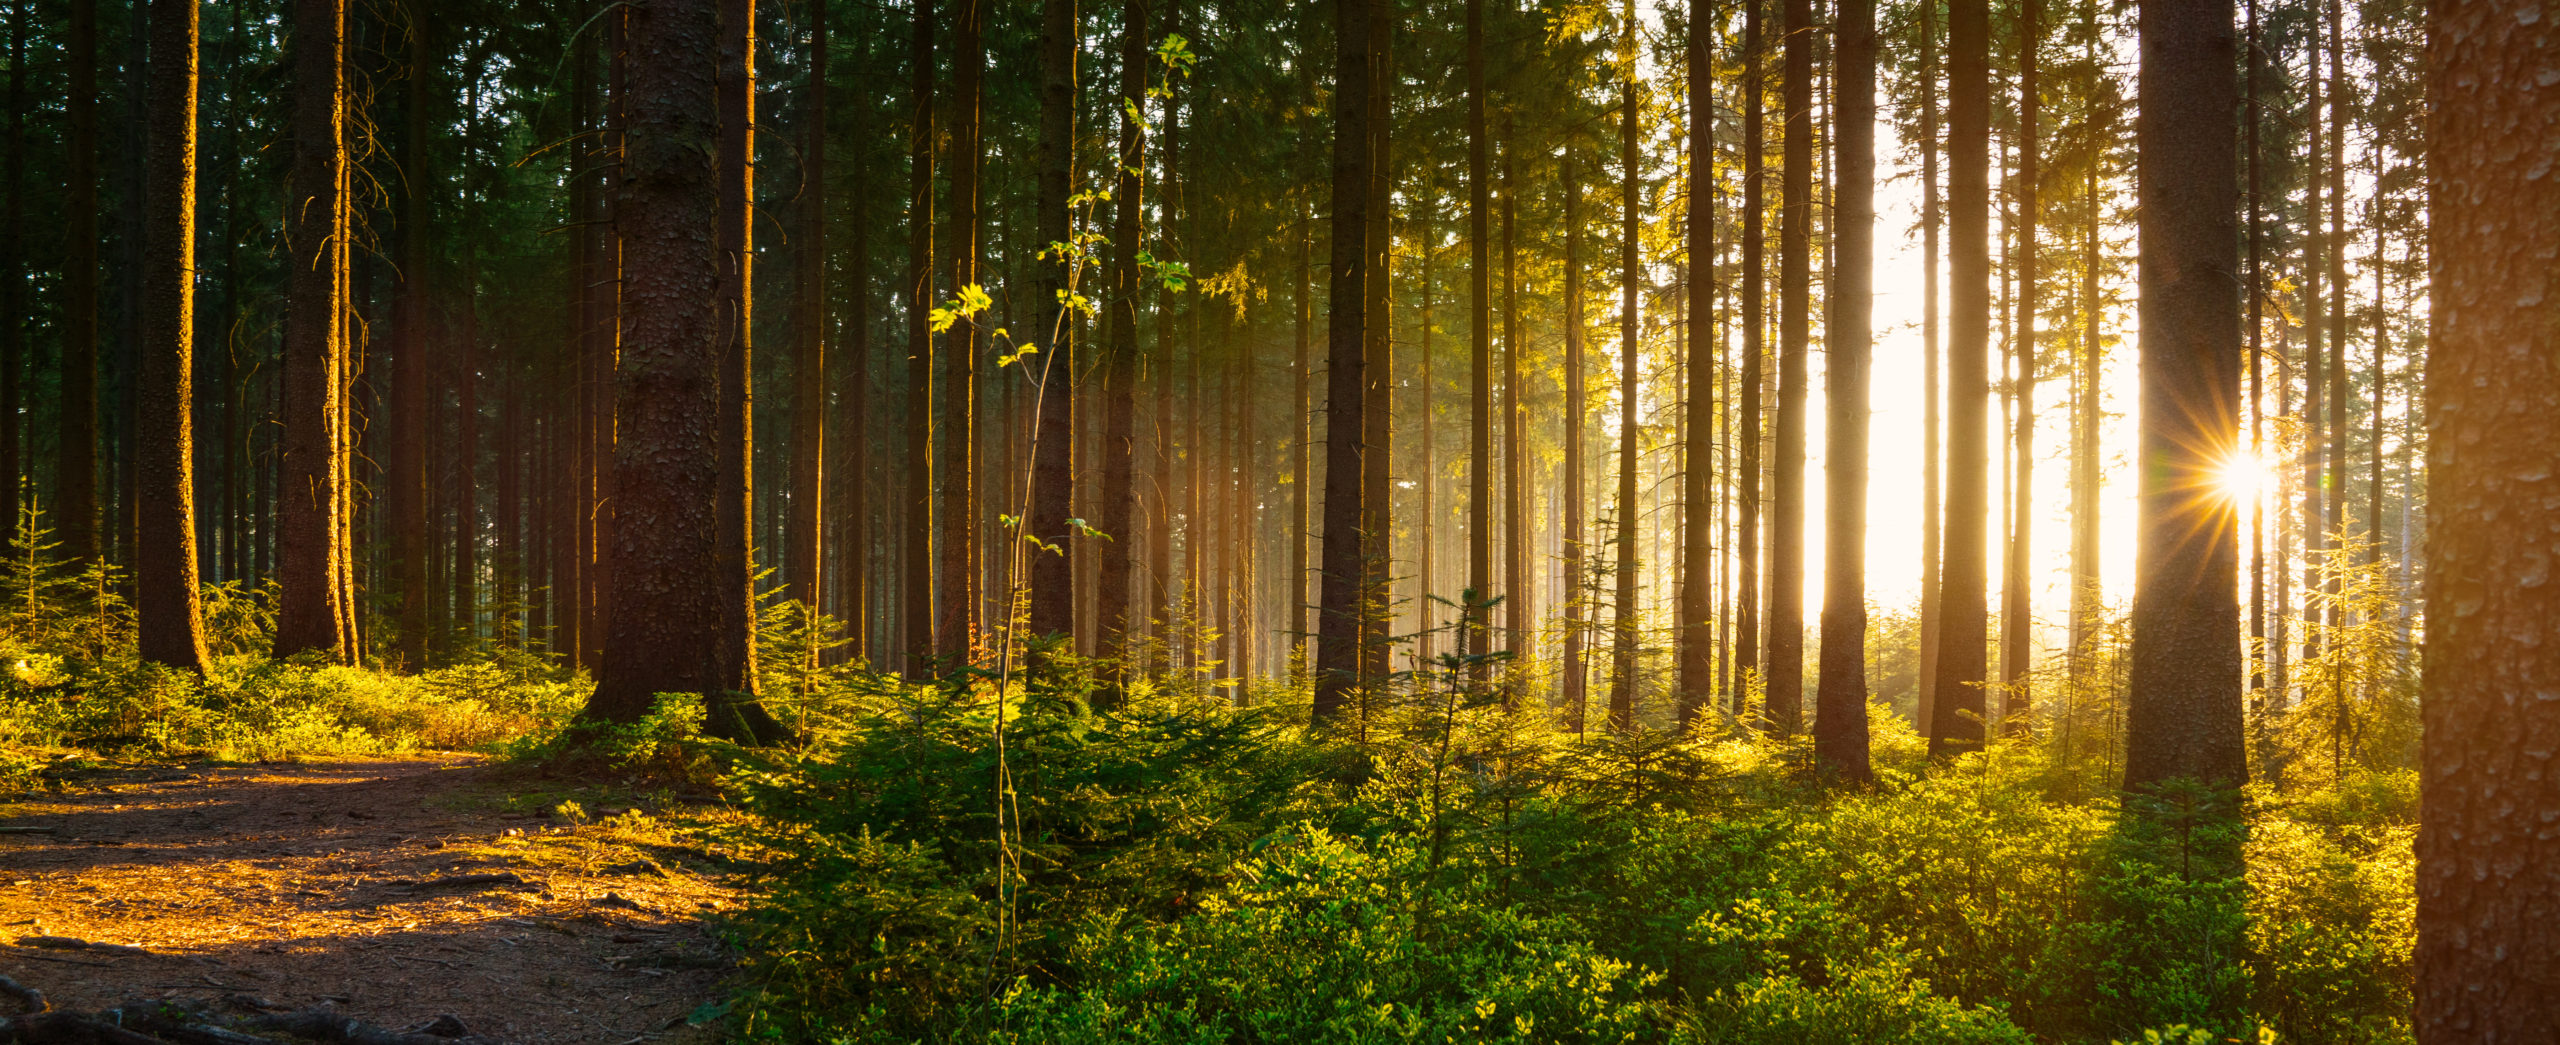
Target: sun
(2244, 477)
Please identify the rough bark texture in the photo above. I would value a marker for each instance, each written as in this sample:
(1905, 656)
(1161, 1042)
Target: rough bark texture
(1795, 314)
(2488, 857)
(733, 712)
(1339, 587)
(1746, 473)
(1696, 640)
(1053, 585)
(1956, 713)
(2182, 716)
(664, 631)
(807, 554)
(1113, 615)
(167, 620)
(914, 632)
(75, 483)
(308, 548)
(1840, 702)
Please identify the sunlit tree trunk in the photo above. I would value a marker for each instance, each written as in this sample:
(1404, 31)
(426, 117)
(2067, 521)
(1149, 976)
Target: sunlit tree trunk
(1577, 605)
(2488, 879)
(732, 710)
(308, 550)
(1696, 640)
(2183, 716)
(1377, 526)
(1623, 651)
(1840, 708)
(2017, 618)
(168, 624)
(1520, 608)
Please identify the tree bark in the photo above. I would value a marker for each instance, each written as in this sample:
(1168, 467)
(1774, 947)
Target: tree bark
(1342, 583)
(1119, 424)
(405, 499)
(1795, 314)
(915, 601)
(1053, 564)
(666, 629)
(958, 509)
(75, 484)
(807, 554)
(2488, 862)
(168, 623)
(1747, 474)
(2183, 711)
(13, 263)
(1521, 609)
(2017, 616)
(1956, 722)
(1473, 630)
(1577, 399)
(1840, 704)
(309, 616)
(1932, 460)
(1623, 655)
(1696, 640)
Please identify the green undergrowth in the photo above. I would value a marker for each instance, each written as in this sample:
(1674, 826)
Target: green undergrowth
(1177, 870)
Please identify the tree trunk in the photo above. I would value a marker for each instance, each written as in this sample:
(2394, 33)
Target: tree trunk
(1302, 431)
(2017, 617)
(1377, 526)
(1053, 563)
(807, 554)
(1119, 424)
(1795, 314)
(1521, 614)
(1341, 585)
(1473, 630)
(731, 710)
(2488, 861)
(915, 599)
(75, 485)
(1932, 459)
(1840, 704)
(1623, 654)
(1696, 640)
(308, 614)
(169, 626)
(1956, 715)
(405, 498)
(2183, 712)
(1746, 654)
(13, 263)
(1577, 400)
(665, 633)
(957, 628)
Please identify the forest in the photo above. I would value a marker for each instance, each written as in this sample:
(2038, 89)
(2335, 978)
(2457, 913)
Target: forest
(1271, 521)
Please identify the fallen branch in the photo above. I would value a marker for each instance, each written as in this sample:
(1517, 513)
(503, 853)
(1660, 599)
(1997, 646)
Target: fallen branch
(32, 998)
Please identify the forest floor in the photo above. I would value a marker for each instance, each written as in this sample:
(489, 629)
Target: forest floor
(388, 890)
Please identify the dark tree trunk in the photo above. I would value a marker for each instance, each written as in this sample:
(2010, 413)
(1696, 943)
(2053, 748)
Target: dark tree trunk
(1474, 629)
(168, 624)
(1755, 326)
(1302, 431)
(958, 507)
(915, 599)
(1377, 524)
(1577, 604)
(1840, 704)
(405, 498)
(1695, 643)
(732, 710)
(1053, 573)
(1623, 650)
(75, 485)
(1956, 723)
(2017, 617)
(1115, 618)
(309, 615)
(13, 262)
(1341, 585)
(2488, 879)
(1795, 315)
(466, 458)
(665, 633)
(2183, 717)
(807, 553)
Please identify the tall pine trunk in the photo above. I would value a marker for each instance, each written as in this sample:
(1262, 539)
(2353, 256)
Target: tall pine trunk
(958, 507)
(2488, 876)
(13, 262)
(169, 625)
(2183, 716)
(309, 616)
(1795, 314)
(807, 553)
(75, 484)
(1577, 604)
(1696, 640)
(1623, 649)
(732, 711)
(1932, 460)
(1341, 583)
(1112, 609)
(1956, 722)
(405, 500)
(1053, 567)
(914, 630)
(1840, 704)
(1473, 629)
(1746, 654)
(2017, 618)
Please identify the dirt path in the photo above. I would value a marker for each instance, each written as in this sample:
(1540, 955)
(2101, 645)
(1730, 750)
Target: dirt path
(377, 888)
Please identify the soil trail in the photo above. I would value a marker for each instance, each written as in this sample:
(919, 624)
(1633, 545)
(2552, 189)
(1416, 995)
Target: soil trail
(379, 888)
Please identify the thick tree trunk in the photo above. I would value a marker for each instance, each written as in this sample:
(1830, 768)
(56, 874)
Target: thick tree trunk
(1112, 608)
(807, 553)
(1053, 563)
(2183, 713)
(75, 484)
(1840, 704)
(309, 615)
(958, 507)
(1341, 585)
(915, 598)
(1795, 315)
(2488, 862)
(1377, 524)
(1956, 722)
(1932, 460)
(168, 624)
(665, 633)
(1695, 643)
